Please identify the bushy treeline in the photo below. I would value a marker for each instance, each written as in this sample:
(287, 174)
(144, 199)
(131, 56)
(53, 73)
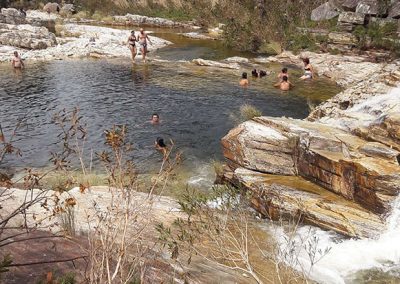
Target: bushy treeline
(249, 24)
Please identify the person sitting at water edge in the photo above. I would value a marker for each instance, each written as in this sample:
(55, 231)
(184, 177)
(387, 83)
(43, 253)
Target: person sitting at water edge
(244, 81)
(161, 146)
(17, 62)
(285, 84)
(308, 70)
(132, 45)
(155, 119)
(142, 39)
(283, 73)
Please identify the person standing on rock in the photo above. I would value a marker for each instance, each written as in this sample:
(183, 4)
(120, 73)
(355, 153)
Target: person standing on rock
(143, 38)
(17, 62)
(132, 45)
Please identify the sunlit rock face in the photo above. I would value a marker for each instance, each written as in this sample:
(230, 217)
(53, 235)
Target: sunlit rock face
(343, 159)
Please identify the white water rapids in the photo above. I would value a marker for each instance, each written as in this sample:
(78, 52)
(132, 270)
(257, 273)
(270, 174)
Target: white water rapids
(345, 257)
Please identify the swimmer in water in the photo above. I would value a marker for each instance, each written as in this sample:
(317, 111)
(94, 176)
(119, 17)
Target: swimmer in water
(284, 72)
(132, 45)
(17, 62)
(285, 84)
(244, 82)
(142, 39)
(161, 146)
(155, 119)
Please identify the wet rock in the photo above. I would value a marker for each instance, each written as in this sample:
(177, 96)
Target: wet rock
(282, 197)
(196, 35)
(326, 11)
(215, 64)
(237, 59)
(394, 10)
(51, 7)
(26, 36)
(319, 152)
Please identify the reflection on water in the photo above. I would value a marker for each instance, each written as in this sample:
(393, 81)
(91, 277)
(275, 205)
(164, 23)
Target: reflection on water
(194, 103)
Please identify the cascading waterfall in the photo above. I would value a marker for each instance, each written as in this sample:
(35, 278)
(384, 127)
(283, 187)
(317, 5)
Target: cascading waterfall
(345, 257)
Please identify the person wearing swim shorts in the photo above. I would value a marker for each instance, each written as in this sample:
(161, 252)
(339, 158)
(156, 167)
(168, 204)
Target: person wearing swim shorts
(143, 38)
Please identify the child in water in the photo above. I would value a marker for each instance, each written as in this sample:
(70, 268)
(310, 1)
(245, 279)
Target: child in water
(283, 73)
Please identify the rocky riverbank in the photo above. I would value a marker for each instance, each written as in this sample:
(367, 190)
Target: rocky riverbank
(340, 168)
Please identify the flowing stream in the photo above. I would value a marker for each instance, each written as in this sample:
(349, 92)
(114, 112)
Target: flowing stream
(197, 106)
(346, 261)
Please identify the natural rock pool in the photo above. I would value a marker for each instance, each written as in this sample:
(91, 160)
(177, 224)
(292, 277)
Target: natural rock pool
(196, 104)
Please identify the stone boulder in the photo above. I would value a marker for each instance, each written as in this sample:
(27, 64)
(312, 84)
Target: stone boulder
(68, 9)
(215, 64)
(325, 11)
(283, 197)
(144, 20)
(394, 10)
(26, 36)
(350, 5)
(352, 18)
(327, 156)
(12, 16)
(370, 7)
(342, 38)
(52, 7)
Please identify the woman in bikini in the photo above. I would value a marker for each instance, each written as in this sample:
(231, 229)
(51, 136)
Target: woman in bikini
(308, 70)
(143, 38)
(132, 45)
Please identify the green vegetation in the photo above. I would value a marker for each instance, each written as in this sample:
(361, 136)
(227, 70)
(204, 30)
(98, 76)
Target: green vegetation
(378, 36)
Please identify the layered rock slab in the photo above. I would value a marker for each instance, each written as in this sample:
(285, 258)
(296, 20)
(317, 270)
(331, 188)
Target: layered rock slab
(368, 174)
(279, 197)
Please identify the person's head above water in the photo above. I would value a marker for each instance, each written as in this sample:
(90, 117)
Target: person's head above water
(244, 75)
(284, 70)
(155, 118)
(263, 73)
(160, 142)
(254, 73)
(284, 78)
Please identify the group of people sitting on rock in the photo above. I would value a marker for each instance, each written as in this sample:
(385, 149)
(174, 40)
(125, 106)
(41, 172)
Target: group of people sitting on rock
(283, 84)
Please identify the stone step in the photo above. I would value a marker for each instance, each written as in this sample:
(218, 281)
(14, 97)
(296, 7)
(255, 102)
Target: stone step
(291, 197)
(367, 173)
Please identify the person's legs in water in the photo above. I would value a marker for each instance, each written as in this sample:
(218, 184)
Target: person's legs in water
(133, 52)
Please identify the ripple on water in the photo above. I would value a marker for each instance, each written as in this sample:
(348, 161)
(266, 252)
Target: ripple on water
(194, 104)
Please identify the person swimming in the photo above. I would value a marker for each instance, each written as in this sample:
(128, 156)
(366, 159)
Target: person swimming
(17, 61)
(244, 82)
(285, 84)
(155, 119)
(143, 38)
(308, 70)
(161, 146)
(284, 72)
(254, 73)
(262, 73)
(132, 44)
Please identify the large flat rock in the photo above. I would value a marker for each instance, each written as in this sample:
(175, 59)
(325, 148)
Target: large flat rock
(285, 197)
(366, 173)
